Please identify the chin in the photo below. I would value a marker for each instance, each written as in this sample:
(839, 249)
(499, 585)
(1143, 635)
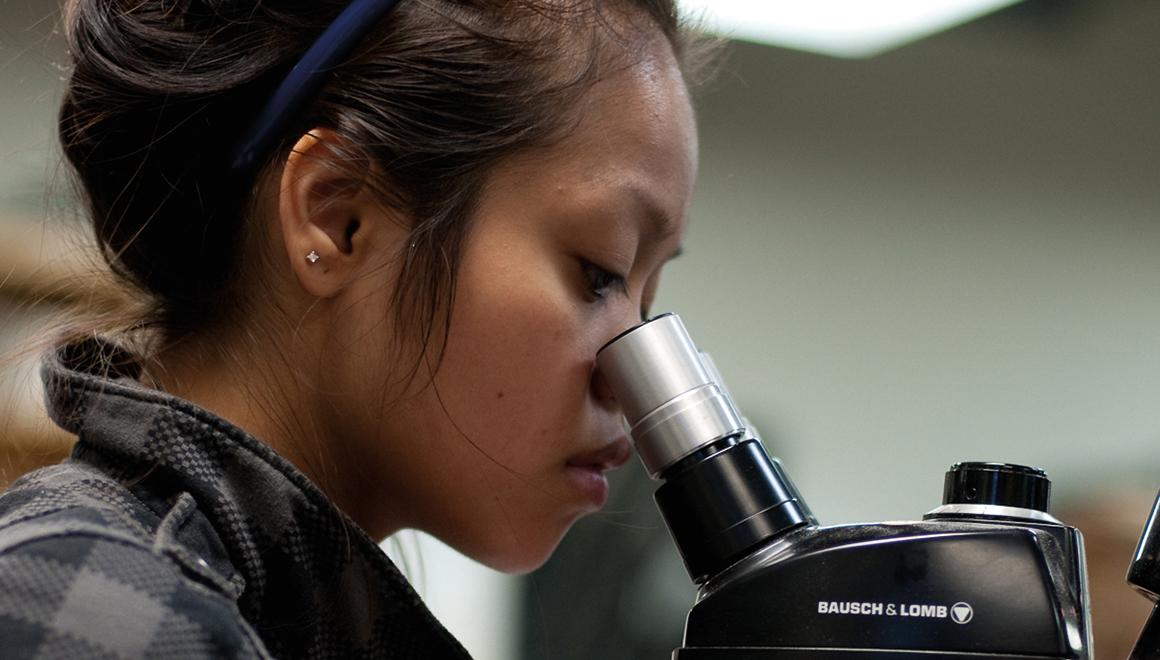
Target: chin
(511, 556)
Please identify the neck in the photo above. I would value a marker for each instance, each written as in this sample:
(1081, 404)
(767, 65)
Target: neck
(267, 392)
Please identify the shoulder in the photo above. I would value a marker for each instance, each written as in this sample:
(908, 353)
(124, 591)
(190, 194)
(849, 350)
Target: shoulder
(75, 490)
(77, 580)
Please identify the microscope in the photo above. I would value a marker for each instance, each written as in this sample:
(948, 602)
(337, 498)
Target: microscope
(988, 575)
(1144, 575)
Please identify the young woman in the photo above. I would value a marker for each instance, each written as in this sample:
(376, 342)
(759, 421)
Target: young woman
(376, 250)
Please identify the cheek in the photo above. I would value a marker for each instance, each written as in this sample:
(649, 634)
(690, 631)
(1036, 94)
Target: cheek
(517, 362)
(512, 403)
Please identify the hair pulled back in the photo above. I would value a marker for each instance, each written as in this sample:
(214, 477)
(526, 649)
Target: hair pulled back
(162, 90)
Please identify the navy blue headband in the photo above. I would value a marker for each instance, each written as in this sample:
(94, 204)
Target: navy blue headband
(306, 78)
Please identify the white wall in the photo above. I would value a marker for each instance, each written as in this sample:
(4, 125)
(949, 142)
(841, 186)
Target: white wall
(950, 252)
(31, 69)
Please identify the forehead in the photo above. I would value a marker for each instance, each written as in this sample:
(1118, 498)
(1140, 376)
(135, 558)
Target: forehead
(633, 136)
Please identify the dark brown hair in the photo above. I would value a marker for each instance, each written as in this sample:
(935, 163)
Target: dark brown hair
(441, 90)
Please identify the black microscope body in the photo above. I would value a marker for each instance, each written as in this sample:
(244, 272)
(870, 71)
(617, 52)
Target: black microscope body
(989, 574)
(962, 583)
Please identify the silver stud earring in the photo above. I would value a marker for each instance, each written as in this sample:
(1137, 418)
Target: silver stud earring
(313, 257)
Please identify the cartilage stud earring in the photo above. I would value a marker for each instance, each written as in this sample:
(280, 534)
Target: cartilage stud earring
(313, 257)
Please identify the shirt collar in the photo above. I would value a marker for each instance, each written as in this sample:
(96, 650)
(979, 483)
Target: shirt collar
(302, 560)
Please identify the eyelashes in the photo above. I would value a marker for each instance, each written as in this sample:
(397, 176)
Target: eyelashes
(600, 282)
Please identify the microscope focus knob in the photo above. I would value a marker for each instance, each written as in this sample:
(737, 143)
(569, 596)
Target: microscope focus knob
(997, 484)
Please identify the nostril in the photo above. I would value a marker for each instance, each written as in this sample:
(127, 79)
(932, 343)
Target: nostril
(601, 389)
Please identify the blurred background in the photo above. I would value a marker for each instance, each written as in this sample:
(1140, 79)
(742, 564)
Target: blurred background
(937, 251)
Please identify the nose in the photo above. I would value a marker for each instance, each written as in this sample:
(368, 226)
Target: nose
(602, 392)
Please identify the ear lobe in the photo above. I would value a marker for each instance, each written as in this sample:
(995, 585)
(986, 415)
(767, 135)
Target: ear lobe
(320, 211)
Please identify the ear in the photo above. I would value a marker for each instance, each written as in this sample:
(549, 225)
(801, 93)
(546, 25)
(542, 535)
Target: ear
(332, 226)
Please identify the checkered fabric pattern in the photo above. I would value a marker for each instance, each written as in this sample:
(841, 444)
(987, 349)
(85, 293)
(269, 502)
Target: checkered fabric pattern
(170, 533)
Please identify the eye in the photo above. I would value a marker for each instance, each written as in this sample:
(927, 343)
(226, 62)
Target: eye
(601, 281)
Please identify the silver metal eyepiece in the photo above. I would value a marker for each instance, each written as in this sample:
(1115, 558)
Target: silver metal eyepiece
(674, 405)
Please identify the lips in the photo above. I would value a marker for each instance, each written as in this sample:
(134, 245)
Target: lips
(608, 457)
(586, 471)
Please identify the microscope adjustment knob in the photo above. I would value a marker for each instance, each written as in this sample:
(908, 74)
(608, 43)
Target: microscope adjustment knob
(997, 484)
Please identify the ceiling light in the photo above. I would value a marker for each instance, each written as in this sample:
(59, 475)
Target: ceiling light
(842, 28)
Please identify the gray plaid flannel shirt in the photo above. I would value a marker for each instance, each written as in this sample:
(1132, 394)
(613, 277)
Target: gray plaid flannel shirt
(171, 533)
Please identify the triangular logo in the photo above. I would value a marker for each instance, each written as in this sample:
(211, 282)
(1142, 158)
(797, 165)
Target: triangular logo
(962, 613)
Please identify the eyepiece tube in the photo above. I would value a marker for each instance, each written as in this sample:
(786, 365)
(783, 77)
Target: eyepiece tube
(722, 494)
(674, 405)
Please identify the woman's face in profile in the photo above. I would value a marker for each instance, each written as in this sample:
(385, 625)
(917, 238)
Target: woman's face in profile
(505, 449)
